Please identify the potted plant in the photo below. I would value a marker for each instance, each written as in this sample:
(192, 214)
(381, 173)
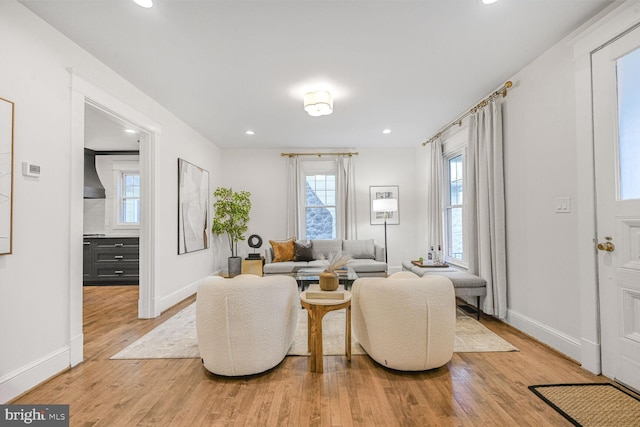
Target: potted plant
(329, 278)
(231, 215)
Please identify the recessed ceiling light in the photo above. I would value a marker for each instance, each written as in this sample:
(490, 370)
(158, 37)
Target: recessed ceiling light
(386, 131)
(130, 131)
(250, 132)
(489, 1)
(144, 3)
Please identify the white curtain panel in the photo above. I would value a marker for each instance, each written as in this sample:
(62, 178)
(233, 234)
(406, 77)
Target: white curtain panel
(484, 206)
(346, 189)
(434, 197)
(293, 197)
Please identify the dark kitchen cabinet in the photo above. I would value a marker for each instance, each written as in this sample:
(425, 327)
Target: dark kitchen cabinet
(111, 260)
(86, 259)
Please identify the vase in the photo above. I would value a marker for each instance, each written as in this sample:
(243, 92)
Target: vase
(235, 265)
(328, 281)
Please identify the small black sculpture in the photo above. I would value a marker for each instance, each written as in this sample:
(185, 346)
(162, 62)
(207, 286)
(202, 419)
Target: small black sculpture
(254, 242)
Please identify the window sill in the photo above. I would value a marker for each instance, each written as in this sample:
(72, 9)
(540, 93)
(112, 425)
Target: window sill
(457, 263)
(126, 227)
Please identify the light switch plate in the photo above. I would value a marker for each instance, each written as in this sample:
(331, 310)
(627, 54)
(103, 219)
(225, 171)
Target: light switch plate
(563, 204)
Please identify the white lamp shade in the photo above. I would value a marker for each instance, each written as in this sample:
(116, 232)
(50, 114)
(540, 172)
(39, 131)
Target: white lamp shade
(318, 103)
(385, 205)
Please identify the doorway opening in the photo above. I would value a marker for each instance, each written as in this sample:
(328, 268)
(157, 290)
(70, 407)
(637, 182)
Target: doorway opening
(86, 96)
(112, 203)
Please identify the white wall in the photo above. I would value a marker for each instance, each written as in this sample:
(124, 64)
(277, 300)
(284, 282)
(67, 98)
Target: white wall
(263, 173)
(34, 280)
(540, 165)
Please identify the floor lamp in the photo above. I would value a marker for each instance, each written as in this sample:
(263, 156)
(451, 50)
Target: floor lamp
(386, 206)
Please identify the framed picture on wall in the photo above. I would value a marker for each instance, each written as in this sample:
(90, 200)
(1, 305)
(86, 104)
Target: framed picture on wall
(6, 176)
(193, 207)
(392, 203)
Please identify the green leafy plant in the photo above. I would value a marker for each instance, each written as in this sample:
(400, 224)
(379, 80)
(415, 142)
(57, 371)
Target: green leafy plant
(231, 215)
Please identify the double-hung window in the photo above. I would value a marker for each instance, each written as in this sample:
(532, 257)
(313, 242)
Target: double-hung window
(127, 198)
(319, 200)
(454, 180)
(454, 151)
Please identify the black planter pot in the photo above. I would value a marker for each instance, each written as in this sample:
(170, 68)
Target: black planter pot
(234, 265)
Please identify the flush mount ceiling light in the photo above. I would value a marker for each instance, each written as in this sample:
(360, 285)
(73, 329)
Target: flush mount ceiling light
(131, 131)
(318, 103)
(489, 1)
(250, 132)
(144, 3)
(386, 131)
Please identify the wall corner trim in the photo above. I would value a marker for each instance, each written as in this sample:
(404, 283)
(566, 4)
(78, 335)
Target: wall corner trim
(590, 359)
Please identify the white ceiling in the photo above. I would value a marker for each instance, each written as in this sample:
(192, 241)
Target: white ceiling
(105, 132)
(227, 66)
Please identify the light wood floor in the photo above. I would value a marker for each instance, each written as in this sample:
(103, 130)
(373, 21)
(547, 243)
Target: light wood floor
(473, 389)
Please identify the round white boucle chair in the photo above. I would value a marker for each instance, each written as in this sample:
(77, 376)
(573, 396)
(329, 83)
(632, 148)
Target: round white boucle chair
(245, 325)
(405, 322)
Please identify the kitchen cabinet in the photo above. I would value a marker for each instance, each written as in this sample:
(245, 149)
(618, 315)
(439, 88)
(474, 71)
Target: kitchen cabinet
(111, 260)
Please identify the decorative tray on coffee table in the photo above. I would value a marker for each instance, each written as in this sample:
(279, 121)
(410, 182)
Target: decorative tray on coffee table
(420, 264)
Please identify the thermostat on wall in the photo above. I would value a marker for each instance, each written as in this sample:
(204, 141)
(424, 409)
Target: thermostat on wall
(29, 169)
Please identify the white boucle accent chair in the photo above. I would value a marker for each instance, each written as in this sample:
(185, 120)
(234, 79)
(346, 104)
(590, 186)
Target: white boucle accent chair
(245, 325)
(405, 322)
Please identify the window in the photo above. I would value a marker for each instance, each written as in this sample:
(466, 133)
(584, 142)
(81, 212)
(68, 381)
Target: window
(319, 200)
(628, 74)
(129, 200)
(453, 205)
(126, 197)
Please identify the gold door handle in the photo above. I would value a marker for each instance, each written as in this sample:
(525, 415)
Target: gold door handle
(608, 246)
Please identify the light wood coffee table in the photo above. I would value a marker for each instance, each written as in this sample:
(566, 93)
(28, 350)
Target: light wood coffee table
(316, 309)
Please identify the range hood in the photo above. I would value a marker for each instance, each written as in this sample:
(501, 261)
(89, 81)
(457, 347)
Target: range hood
(93, 188)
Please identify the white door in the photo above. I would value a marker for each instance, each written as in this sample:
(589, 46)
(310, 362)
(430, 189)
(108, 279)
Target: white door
(616, 118)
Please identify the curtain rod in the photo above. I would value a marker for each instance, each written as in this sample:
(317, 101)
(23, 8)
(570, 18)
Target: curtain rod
(502, 91)
(319, 154)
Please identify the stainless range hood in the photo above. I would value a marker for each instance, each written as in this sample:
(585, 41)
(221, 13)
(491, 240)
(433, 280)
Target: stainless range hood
(93, 188)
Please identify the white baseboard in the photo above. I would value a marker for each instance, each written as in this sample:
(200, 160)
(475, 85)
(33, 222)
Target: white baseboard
(558, 340)
(76, 351)
(172, 299)
(591, 359)
(28, 376)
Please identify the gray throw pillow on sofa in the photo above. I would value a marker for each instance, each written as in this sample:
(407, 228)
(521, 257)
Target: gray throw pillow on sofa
(304, 251)
(359, 249)
(325, 248)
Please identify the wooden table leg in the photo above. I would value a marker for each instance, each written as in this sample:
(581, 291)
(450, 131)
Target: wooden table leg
(312, 340)
(347, 333)
(309, 330)
(318, 342)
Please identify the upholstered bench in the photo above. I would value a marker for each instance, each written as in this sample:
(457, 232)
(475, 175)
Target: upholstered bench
(464, 284)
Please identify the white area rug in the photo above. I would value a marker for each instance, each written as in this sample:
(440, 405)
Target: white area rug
(176, 338)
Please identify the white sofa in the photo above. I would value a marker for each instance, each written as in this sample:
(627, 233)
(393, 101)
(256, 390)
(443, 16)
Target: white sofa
(245, 325)
(405, 322)
(368, 259)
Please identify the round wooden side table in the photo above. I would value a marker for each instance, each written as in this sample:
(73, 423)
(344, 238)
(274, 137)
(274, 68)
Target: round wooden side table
(316, 309)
